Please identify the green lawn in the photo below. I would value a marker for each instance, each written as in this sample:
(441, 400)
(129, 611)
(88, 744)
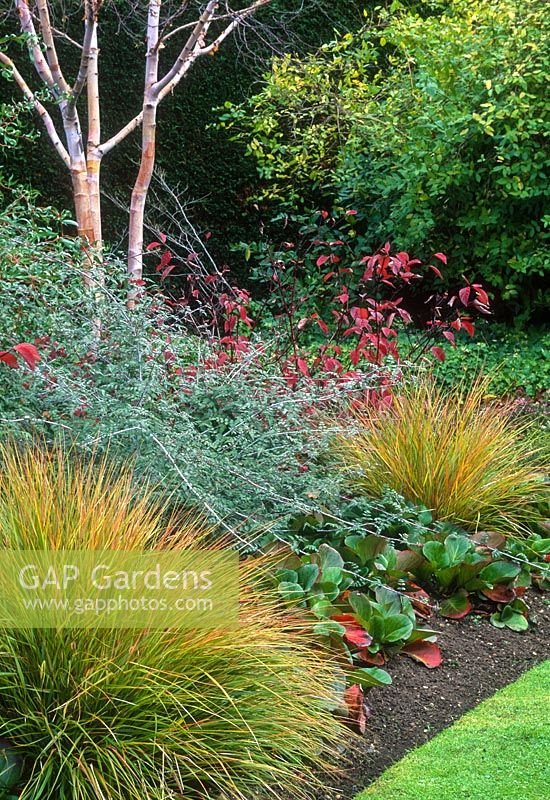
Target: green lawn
(498, 751)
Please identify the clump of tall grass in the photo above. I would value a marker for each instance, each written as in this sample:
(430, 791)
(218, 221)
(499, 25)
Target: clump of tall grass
(101, 714)
(451, 450)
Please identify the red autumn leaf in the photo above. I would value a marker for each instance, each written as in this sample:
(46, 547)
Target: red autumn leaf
(436, 270)
(344, 618)
(302, 366)
(302, 323)
(438, 353)
(500, 593)
(421, 601)
(357, 636)
(323, 325)
(468, 327)
(322, 260)
(481, 294)
(164, 260)
(28, 353)
(457, 606)
(456, 324)
(376, 659)
(328, 276)
(358, 712)
(9, 359)
(167, 271)
(450, 337)
(464, 295)
(441, 257)
(153, 245)
(428, 653)
(351, 212)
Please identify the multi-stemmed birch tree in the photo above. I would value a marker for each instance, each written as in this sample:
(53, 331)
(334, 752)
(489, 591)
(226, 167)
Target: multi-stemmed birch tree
(64, 104)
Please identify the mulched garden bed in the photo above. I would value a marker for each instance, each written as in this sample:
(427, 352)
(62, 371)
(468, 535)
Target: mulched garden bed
(478, 659)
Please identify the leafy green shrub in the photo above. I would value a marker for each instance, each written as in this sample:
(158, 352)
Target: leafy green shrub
(234, 441)
(513, 360)
(465, 459)
(145, 714)
(431, 126)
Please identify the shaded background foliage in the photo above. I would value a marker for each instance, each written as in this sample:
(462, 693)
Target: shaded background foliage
(432, 127)
(212, 172)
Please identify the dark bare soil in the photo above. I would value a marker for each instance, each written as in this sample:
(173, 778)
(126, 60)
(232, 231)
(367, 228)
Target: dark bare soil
(478, 660)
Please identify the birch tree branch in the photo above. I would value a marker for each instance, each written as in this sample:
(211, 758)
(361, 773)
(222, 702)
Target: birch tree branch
(184, 61)
(89, 29)
(134, 123)
(194, 47)
(37, 56)
(51, 50)
(39, 108)
(59, 33)
(196, 38)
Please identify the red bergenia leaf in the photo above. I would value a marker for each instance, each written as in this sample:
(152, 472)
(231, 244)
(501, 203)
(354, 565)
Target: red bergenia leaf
(376, 659)
(358, 712)
(357, 636)
(500, 593)
(28, 353)
(428, 653)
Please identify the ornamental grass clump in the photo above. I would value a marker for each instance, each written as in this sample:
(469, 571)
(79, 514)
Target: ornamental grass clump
(96, 714)
(463, 457)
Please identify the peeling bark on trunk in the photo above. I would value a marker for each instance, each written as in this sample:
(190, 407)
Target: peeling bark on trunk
(84, 158)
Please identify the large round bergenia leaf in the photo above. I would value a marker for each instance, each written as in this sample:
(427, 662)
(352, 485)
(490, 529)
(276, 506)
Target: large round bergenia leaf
(291, 591)
(436, 554)
(457, 546)
(361, 605)
(328, 558)
(372, 676)
(397, 627)
(499, 572)
(457, 606)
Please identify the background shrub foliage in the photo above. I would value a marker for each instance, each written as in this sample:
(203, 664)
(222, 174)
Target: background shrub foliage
(432, 126)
